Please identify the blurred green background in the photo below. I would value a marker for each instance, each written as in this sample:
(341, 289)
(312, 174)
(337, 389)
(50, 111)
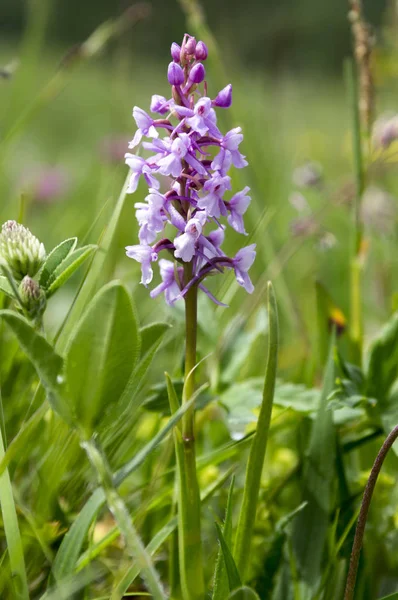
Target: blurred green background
(66, 120)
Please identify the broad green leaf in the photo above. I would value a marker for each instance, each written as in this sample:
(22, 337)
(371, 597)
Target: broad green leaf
(243, 593)
(67, 267)
(221, 586)
(310, 527)
(234, 579)
(383, 361)
(102, 354)
(54, 259)
(259, 444)
(150, 334)
(46, 361)
(127, 401)
(70, 548)
(5, 287)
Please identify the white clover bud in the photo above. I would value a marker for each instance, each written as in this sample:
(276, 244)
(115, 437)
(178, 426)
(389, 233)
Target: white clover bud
(33, 297)
(20, 250)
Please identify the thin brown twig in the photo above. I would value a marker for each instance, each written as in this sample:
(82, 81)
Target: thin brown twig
(363, 513)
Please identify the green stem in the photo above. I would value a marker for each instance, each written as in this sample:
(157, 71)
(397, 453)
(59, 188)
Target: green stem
(119, 510)
(363, 513)
(189, 530)
(357, 233)
(258, 447)
(13, 536)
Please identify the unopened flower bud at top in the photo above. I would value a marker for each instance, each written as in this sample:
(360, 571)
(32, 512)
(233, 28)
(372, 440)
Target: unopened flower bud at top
(201, 51)
(175, 74)
(20, 250)
(197, 73)
(32, 296)
(224, 97)
(189, 46)
(175, 51)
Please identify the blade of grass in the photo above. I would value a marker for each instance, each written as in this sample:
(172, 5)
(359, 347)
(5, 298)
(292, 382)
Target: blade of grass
(259, 444)
(12, 533)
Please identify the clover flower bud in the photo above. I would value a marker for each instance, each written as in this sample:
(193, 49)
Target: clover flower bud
(20, 250)
(175, 52)
(224, 97)
(197, 73)
(33, 297)
(201, 51)
(175, 74)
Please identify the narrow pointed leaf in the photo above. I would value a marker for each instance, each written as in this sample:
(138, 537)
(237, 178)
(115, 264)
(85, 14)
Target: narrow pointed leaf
(259, 444)
(54, 259)
(234, 579)
(67, 267)
(243, 593)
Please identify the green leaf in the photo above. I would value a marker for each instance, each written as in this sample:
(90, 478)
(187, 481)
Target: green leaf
(234, 579)
(151, 334)
(221, 586)
(310, 527)
(383, 361)
(393, 596)
(67, 267)
(68, 553)
(102, 354)
(5, 287)
(54, 259)
(46, 361)
(259, 444)
(243, 593)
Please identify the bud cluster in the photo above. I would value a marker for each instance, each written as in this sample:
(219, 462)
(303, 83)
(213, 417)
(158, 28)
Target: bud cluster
(186, 171)
(20, 251)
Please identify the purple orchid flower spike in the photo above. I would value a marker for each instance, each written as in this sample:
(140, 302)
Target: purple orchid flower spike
(179, 152)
